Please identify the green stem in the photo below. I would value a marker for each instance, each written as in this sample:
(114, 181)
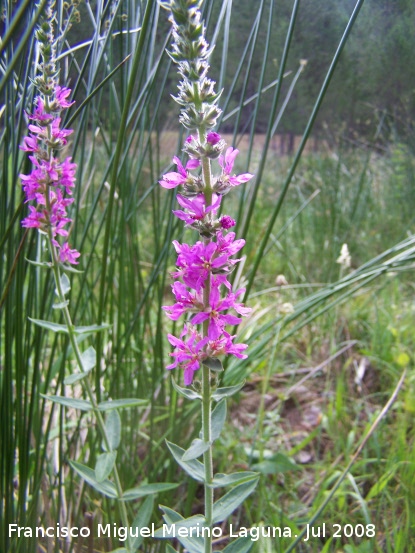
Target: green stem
(206, 388)
(85, 383)
(78, 355)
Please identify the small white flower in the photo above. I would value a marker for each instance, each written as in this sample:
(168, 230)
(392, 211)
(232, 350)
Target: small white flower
(281, 280)
(344, 258)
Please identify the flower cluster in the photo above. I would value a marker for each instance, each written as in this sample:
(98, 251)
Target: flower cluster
(202, 290)
(51, 181)
(203, 269)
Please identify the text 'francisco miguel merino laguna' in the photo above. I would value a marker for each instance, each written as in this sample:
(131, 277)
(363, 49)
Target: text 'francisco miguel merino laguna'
(167, 531)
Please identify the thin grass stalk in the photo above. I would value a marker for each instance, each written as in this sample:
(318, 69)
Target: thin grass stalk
(117, 156)
(304, 138)
(7, 73)
(353, 459)
(260, 171)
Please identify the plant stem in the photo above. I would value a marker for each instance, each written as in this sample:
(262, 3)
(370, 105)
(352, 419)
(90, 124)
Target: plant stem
(85, 382)
(206, 389)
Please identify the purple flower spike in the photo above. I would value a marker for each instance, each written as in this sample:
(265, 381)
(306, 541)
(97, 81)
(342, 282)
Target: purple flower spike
(206, 264)
(50, 178)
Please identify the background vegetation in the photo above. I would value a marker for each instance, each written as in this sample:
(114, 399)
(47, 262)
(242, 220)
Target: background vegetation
(328, 344)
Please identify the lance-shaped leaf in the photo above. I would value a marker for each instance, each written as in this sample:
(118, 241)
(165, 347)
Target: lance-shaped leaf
(186, 392)
(81, 404)
(142, 520)
(65, 285)
(122, 403)
(104, 465)
(113, 429)
(227, 391)
(225, 506)
(194, 467)
(106, 487)
(88, 361)
(43, 264)
(54, 327)
(147, 489)
(91, 329)
(222, 480)
(243, 544)
(191, 543)
(213, 363)
(196, 449)
(218, 419)
(60, 305)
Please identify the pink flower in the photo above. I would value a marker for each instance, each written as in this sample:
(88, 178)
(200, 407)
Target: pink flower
(217, 320)
(226, 162)
(188, 354)
(227, 244)
(185, 302)
(227, 222)
(66, 254)
(196, 208)
(224, 346)
(35, 219)
(197, 262)
(61, 94)
(173, 179)
(213, 138)
(40, 114)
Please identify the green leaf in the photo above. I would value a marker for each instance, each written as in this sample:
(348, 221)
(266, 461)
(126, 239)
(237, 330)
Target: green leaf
(106, 487)
(81, 404)
(225, 506)
(147, 489)
(91, 329)
(142, 520)
(186, 392)
(104, 465)
(218, 419)
(221, 480)
(89, 359)
(227, 391)
(72, 378)
(71, 269)
(197, 448)
(276, 464)
(60, 305)
(54, 327)
(194, 468)
(122, 403)
(43, 264)
(65, 285)
(192, 544)
(214, 364)
(170, 549)
(243, 544)
(381, 483)
(113, 429)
